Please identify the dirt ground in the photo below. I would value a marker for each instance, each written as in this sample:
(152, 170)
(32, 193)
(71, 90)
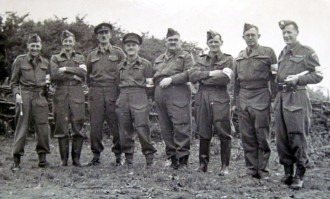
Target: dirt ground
(109, 181)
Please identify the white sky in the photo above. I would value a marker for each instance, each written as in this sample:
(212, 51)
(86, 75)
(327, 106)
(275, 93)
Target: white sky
(193, 18)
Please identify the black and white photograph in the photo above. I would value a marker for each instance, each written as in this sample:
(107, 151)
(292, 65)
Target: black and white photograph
(173, 99)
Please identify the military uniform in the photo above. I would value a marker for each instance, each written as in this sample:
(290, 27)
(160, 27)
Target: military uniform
(102, 79)
(212, 104)
(292, 106)
(132, 107)
(252, 74)
(69, 103)
(173, 102)
(29, 80)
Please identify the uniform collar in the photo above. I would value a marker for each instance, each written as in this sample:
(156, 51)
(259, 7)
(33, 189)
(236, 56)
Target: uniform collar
(137, 61)
(29, 57)
(175, 54)
(293, 50)
(254, 52)
(108, 48)
(218, 55)
(63, 54)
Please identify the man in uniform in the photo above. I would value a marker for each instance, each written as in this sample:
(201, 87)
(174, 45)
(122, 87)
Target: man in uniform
(28, 83)
(212, 103)
(135, 76)
(252, 78)
(298, 66)
(102, 79)
(68, 71)
(172, 97)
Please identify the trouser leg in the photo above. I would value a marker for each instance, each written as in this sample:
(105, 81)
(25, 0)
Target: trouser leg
(63, 144)
(204, 154)
(77, 143)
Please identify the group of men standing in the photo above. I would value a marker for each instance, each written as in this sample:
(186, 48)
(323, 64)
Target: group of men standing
(120, 83)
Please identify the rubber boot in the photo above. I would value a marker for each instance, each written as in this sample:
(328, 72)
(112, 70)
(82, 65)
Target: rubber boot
(63, 144)
(204, 154)
(77, 143)
(288, 175)
(225, 156)
(42, 160)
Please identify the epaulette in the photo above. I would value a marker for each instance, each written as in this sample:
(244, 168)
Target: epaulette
(227, 54)
(240, 53)
(202, 55)
(118, 48)
(19, 57)
(144, 60)
(307, 47)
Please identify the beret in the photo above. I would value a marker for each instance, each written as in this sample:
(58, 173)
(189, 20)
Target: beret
(284, 23)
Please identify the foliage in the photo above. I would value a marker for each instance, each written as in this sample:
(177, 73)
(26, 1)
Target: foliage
(16, 29)
(319, 94)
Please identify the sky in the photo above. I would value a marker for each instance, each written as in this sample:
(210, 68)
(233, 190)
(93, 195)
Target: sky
(192, 18)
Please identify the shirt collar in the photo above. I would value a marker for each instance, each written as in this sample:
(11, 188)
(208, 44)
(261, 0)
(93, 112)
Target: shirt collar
(107, 48)
(29, 57)
(217, 55)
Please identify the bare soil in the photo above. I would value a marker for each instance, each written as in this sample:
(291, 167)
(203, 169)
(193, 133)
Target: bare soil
(109, 181)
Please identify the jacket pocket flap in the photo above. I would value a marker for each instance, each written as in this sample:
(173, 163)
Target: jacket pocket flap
(260, 107)
(180, 104)
(222, 100)
(293, 108)
(296, 59)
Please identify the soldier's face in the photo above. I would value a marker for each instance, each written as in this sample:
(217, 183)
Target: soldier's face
(214, 44)
(104, 36)
(290, 34)
(34, 48)
(131, 48)
(68, 43)
(173, 43)
(251, 37)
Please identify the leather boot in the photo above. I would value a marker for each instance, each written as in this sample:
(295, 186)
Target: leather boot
(298, 180)
(183, 161)
(175, 163)
(204, 154)
(288, 175)
(63, 144)
(42, 160)
(128, 159)
(118, 159)
(149, 160)
(225, 156)
(95, 161)
(77, 143)
(17, 161)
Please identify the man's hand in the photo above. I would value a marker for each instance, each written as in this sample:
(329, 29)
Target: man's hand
(165, 82)
(233, 108)
(292, 79)
(83, 66)
(215, 73)
(150, 82)
(62, 69)
(77, 78)
(18, 98)
(47, 79)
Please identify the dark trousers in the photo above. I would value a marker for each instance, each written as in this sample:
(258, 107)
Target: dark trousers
(102, 104)
(133, 113)
(174, 114)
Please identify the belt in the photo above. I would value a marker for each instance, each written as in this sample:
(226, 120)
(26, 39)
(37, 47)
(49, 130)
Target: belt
(32, 88)
(254, 84)
(209, 87)
(109, 83)
(69, 83)
(132, 90)
(287, 88)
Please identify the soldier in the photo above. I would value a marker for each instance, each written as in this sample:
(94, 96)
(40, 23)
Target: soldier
(135, 75)
(68, 71)
(298, 66)
(252, 78)
(172, 97)
(28, 83)
(212, 103)
(102, 79)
